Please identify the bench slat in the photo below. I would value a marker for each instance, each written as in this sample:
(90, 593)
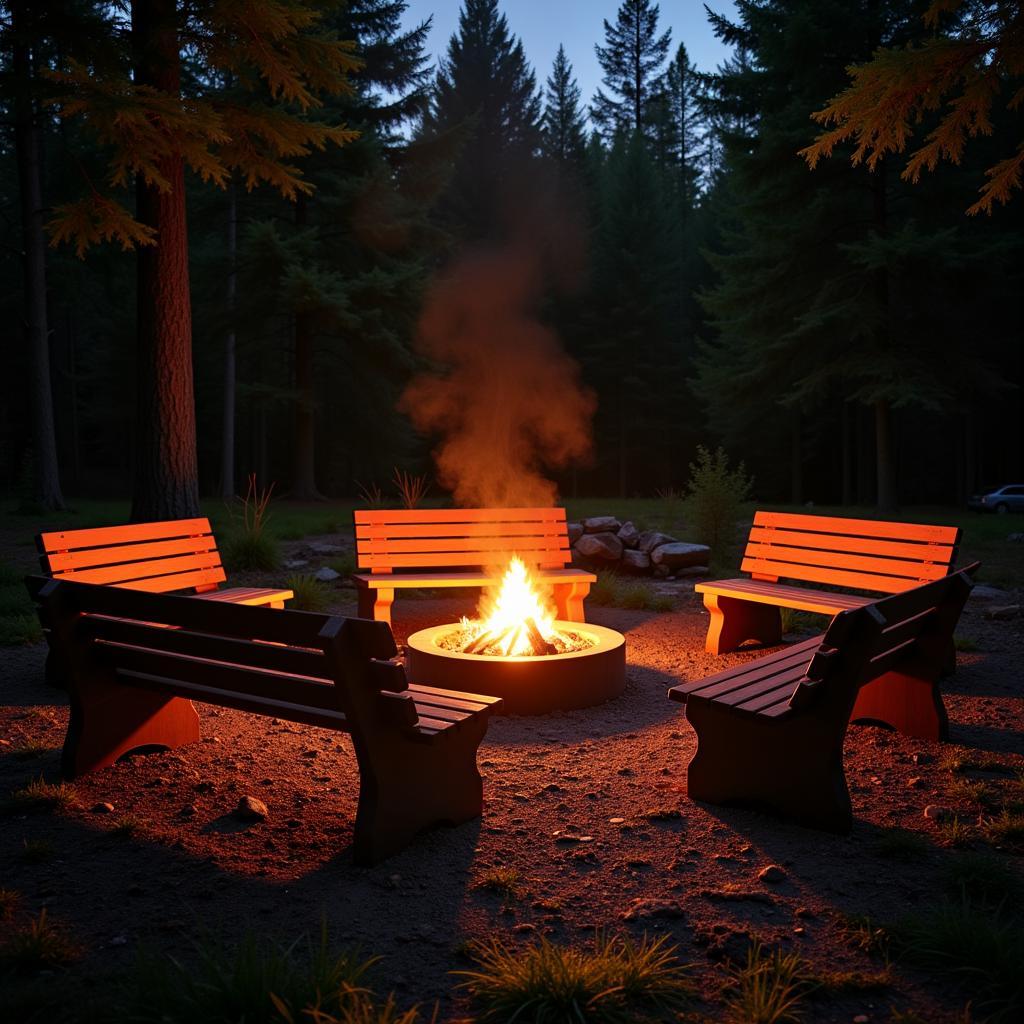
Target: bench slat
(790, 655)
(548, 528)
(129, 572)
(544, 557)
(104, 536)
(85, 558)
(246, 595)
(925, 551)
(468, 579)
(821, 602)
(522, 546)
(370, 516)
(834, 577)
(800, 558)
(860, 527)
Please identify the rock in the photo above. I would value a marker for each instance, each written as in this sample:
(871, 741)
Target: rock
(1002, 612)
(636, 561)
(103, 808)
(296, 563)
(601, 524)
(651, 539)
(643, 909)
(188, 811)
(916, 782)
(251, 808)
(629, 535)
(692, 571)
(679, 555)
(326, 549)
(661, 571)
(981, 592)
(326, 574)
(604, 547)
(933, 812)
(772, 874)
(575, 532)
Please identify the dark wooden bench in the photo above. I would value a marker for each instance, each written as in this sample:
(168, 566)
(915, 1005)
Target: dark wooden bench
(161, 558)
(463, 547)
(137, 660)
(854, 554)
(770, 732)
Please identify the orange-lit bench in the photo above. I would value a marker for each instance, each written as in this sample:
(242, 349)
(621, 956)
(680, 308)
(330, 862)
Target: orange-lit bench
(853, 554)
(463, 547)
(132, 680)
(770, 732)
(165, 557)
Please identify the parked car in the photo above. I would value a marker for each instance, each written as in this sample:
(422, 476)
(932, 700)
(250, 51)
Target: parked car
(1009, 498)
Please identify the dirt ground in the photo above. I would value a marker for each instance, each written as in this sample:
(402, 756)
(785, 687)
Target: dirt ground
(654, 861)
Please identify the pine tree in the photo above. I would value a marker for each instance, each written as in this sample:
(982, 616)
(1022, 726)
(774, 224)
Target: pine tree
(564, 137)
(152, 130)
(486, 94)
(632, 60)
(680, 129)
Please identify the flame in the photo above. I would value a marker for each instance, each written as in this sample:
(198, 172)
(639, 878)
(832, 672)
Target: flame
(507, 610)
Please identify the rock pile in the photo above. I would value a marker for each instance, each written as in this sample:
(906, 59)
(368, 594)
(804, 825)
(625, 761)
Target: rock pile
(606, 543)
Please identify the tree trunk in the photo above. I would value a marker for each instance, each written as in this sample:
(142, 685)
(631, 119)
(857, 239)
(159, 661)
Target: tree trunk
(883, 457)
(796, 477)
(46, 493)
(304, 479)
(849, 436)
(884, 465)
(227, 467)
(166, 482)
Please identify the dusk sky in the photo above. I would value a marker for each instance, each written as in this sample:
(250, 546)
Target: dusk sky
(578, 25)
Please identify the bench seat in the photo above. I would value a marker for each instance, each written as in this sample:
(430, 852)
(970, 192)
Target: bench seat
(463, 548)
(272, 596)
(867, 556)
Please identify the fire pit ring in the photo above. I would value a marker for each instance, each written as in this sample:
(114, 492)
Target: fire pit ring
(531, 685)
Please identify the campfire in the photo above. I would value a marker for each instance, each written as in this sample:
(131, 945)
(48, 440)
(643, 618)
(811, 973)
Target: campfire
(517, 650)
(515, 620)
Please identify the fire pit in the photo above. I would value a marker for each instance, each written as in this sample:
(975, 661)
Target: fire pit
(518, 651)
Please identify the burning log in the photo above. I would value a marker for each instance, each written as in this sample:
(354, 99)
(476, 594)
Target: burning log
(537, 641)
(485, 640)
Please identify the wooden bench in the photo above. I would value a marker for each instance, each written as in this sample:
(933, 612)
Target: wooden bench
(132, 680)
(463, 547)
(161, 558)
(770, 732)
(855, 554)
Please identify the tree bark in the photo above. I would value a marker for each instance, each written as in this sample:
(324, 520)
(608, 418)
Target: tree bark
(796, 477)
(45, 484)
(884, 463)
(883, 456)
(227, 469)
(166, 482)
(304, 480)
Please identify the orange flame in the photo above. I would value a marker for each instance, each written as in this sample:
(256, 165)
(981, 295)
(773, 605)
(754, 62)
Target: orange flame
(507, 610)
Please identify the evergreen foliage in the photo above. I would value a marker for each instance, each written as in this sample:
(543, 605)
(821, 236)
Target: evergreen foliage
(564, 135)
(632, 60)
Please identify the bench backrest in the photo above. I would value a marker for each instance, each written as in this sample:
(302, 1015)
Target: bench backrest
(858, 554)
(301, 666)
(863, 643)
(156, 557)
(389, 539)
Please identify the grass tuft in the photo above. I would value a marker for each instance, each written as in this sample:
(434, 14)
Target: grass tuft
(255, 982)
(617, 980)
(864, 935)
(127, 826)
(902, 845)
(965, 643)
(251, 552)
(612, 590)
(768, 988)
(981, 945)
(9, 901)
(982, 878)
(29, 750)
(344, 565)
(39, 946)
(311, 595)
(42, 795)
(955, 832)
(1006, 828)
(503, 881)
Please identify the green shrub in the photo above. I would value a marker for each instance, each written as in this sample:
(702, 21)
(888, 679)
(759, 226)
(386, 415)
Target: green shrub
(18, 630)
(899, 844)
(715, 494)
(618, 980)
(344, 565)
(250, 546)
(503, 881)
(42, 795)
(311, 595)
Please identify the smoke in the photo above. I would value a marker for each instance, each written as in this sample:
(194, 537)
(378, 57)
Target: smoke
(505, 398)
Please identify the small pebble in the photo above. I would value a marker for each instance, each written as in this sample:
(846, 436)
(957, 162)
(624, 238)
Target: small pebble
(103, 808)
(772, 874)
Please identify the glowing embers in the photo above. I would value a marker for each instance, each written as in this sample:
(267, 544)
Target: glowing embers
(515, 621)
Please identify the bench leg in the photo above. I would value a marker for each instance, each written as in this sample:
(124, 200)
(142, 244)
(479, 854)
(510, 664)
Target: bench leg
(734, 621)
(569, 601)
(794, 768)
(376, 604)
(407, 786)
(910, 704)
(108, 720)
